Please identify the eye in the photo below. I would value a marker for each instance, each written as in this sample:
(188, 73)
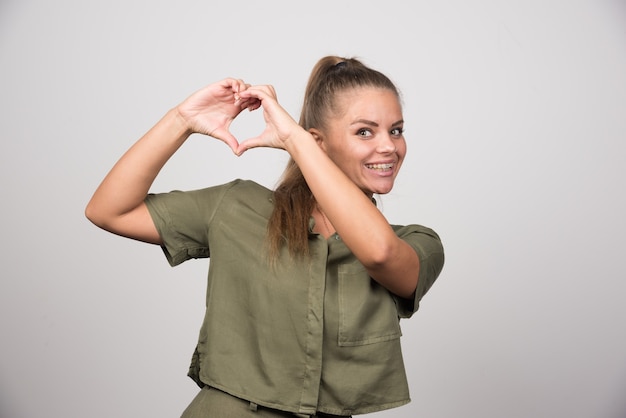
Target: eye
(364, 133)
(398, 132)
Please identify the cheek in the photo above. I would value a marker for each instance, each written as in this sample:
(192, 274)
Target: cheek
(344, 155)
(401, 149)
(340, 159)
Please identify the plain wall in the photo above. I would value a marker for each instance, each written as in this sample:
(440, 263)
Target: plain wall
(516, 120)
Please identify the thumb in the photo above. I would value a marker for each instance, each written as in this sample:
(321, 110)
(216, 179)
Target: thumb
(229, 139)
(249, 143)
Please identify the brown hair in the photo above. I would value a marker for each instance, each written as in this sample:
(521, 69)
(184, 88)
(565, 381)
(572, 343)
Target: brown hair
(293, 200)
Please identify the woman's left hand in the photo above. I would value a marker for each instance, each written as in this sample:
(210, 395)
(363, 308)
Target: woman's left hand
(280, 127)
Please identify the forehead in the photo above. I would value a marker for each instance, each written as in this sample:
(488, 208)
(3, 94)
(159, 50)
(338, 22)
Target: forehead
(366, 102)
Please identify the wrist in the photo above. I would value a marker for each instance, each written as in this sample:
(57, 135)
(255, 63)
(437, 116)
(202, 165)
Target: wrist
(178, 123)
(300, 143)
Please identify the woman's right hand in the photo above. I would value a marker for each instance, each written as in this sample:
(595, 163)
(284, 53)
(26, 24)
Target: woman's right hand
(211, 110)
(118, 203)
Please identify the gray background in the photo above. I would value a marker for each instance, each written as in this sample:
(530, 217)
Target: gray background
(516, 120)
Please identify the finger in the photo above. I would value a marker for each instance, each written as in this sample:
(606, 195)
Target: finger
(252, 104)
(260, 92)
(244, 103)
(249, 143)
(257, 98)
(227, 138)
(237, 85)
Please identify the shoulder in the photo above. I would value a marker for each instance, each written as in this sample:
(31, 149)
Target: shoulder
(404, 231)
(210, 198)
(238, 189)
(246, 191)
(249, 186)
(424, 240)
(239, 197)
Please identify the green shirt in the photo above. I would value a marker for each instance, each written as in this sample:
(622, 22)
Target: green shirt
(305, 337)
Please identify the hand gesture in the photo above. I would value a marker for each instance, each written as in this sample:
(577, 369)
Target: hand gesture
(211, 110)
(280, 127)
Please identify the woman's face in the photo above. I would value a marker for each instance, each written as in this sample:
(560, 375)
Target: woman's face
(366, 138)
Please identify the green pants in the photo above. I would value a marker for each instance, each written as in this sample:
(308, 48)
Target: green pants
(213, 403)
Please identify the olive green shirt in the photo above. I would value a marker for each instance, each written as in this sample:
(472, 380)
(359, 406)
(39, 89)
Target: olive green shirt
(305, 337)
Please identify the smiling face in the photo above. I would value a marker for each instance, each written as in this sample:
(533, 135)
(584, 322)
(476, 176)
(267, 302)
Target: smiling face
(365, 139)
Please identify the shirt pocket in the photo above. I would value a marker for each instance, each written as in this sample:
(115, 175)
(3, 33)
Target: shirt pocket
(367, 311)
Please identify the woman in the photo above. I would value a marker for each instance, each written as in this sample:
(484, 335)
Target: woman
(307, 282)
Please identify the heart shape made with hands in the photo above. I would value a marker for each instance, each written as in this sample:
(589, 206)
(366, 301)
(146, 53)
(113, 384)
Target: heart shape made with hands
(278, 125)
(247, 124)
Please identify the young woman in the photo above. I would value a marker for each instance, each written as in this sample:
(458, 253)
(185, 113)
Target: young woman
(307, 282)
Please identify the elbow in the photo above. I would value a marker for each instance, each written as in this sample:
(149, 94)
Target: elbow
(95, 216)
(380, 255)
(395, 266)
(90, 213)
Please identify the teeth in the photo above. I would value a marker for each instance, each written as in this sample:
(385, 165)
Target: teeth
(379, 166)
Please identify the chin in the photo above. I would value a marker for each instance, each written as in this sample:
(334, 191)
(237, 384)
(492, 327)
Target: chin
(382, 190)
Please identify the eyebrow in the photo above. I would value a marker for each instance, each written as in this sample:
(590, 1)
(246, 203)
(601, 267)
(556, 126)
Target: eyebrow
(372, 123)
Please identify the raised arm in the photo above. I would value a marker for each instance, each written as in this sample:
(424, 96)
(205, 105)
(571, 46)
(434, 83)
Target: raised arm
(118, 203)
(388, 259)
(362, 227)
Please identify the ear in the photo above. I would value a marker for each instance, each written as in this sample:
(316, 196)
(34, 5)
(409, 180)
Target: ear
(319, 138)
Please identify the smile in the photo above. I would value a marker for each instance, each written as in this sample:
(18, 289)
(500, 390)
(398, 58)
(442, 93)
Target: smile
(380, 167)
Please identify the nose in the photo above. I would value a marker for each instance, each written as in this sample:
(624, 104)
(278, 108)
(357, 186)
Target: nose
(386, 145)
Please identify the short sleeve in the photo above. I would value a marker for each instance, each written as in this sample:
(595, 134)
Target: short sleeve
(429, 249)
(183, 220)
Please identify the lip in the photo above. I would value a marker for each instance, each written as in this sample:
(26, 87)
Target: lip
(383, 173)
(391, 161)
